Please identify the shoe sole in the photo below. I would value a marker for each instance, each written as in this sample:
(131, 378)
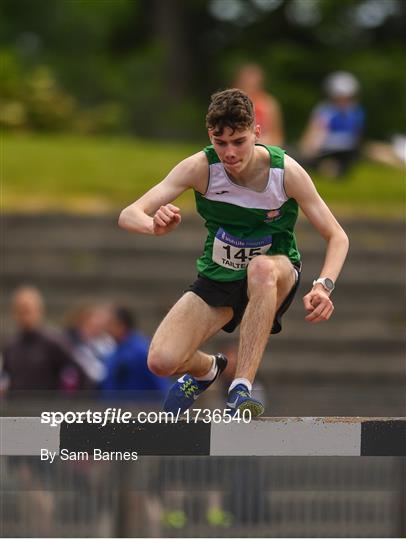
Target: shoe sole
(256, 408)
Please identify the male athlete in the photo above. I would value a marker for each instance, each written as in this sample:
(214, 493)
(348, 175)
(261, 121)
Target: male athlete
(248, 194)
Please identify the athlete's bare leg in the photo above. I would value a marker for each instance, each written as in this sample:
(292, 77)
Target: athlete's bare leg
(270, 279)
(188, 324)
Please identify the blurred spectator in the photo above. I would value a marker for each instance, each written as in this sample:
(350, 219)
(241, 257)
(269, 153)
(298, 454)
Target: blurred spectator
(250, 79)
(37, 358)
(332, 138)
(393, 153)
(90, 342)
(127, 371)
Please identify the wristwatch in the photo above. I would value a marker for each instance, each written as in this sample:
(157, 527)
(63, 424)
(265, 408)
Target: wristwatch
(327, 283)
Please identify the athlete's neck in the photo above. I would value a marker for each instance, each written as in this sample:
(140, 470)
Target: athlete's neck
(257, 169)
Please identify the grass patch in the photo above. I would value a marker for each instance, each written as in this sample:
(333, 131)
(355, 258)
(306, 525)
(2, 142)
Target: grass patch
(101, 174)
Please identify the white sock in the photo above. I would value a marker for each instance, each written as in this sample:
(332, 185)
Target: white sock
(245, 382)
(210, 375)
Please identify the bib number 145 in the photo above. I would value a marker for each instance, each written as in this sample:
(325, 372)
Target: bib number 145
(235, 253)
(243, 254)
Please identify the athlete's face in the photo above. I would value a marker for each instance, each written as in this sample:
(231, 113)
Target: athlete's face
(235, 148)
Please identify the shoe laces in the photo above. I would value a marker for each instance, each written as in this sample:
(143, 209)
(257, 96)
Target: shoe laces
(189, 388)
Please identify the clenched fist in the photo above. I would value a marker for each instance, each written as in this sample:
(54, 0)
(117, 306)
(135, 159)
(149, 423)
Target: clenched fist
(318, 305)
(166, 219)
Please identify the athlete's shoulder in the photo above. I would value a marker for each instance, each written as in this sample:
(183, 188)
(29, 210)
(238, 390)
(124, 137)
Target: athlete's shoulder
(277, 156)
(194, 164)
(296, 180)
(292, 167)
(194, 169)
(211, 155)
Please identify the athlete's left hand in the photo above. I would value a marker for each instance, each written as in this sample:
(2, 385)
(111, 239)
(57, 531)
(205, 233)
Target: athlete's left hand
(318, 305)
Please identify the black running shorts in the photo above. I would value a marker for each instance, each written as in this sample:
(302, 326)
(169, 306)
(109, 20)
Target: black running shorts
(234, 294)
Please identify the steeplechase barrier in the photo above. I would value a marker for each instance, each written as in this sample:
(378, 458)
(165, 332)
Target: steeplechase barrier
(284, 436)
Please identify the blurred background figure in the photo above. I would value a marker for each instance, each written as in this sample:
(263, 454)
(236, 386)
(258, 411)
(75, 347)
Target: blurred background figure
(331, 141)
(390, 153)
(37, 358)
(91, 344)
(250, 79)
(127, 373)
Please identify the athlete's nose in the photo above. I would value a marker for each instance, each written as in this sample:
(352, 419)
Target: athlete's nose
(230, 153)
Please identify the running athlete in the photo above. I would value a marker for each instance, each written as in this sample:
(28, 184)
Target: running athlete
(249, 195)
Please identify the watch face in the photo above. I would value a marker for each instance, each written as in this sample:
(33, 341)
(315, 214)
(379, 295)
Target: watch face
(329, 284)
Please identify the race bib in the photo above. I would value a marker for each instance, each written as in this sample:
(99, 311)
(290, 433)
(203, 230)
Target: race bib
(235, 253)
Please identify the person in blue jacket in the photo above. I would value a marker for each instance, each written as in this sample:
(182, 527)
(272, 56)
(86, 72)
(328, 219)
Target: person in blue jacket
(128, 376)
(333, 136)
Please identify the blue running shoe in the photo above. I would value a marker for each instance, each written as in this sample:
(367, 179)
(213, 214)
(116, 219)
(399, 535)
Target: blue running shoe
(239, 399)
(187, 389)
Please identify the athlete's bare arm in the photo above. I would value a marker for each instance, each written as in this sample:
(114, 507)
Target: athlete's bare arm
(299, 185)
(153, 213)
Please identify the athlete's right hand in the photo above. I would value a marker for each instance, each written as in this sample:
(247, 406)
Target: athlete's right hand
(166, 219)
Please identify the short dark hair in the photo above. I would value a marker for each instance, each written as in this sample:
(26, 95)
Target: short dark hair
(230, 108)
(125, 317)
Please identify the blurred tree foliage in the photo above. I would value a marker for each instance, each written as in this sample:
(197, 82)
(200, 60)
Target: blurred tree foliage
(149, 66)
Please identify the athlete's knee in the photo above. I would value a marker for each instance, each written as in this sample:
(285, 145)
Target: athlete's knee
(262, 270)
(161, 362)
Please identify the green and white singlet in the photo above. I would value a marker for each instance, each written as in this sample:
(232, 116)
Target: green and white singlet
(243, 223)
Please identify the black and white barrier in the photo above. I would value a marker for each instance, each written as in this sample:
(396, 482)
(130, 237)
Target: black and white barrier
(285, 436)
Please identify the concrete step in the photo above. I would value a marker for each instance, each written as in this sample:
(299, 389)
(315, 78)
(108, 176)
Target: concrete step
(327, 347)
(187, 240)
(82, 231)
(310, 362)
(109, 221)
(146, 260)
(335, 397)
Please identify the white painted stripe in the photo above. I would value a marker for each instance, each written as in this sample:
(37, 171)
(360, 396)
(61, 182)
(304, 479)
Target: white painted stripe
(25, 436)
(286, 437)
(222, 189)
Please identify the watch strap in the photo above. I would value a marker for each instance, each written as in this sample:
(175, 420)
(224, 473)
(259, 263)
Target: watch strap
(327, 283)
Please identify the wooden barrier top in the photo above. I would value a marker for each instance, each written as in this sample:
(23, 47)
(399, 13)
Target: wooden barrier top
(267, 436)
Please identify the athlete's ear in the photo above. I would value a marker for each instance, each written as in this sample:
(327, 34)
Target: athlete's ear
(210, 134)
(257, 132)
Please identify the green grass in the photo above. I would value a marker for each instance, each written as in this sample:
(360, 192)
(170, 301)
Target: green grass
(96, 174)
